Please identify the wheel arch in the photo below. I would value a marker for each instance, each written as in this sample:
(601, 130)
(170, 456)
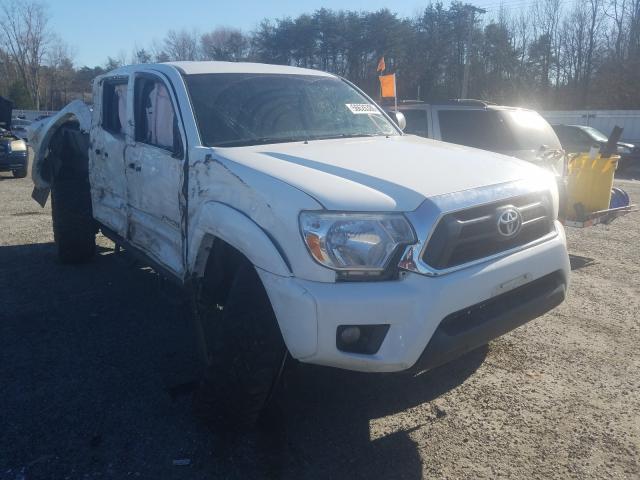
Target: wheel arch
(217, 225)
(43, 135)
(221, 251)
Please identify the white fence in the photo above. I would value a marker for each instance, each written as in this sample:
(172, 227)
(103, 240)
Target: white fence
(603, 120)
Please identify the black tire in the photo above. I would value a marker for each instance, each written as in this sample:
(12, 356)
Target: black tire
(20, 173)
(74, 230)
(246, 355)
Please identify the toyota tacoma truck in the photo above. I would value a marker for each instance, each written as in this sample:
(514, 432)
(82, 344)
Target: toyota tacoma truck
(301, 220)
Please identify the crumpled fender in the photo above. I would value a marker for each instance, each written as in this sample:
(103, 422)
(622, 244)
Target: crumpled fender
(42, 132)
(228, 224)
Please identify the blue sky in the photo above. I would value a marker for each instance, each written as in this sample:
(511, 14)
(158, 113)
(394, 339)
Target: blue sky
(96, 29)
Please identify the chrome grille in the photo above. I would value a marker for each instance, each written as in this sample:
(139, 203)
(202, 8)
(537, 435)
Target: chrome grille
(472, 234)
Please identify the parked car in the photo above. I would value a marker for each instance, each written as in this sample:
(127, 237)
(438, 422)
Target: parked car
(512, 131)
(20, 128)
(302, 221)
(580, 138)
(13, 150)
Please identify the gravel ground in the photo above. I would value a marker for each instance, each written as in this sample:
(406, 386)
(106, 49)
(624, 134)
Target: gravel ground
(96, 362)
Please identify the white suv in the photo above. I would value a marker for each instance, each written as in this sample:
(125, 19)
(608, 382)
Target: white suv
(513, 131)
(302, 220)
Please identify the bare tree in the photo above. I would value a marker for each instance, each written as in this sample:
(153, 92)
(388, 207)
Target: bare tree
(574, 47)
(141, 55)
(58, 73)
(617, 12)
(181, 45)
(594, 11)
(521, 40)
(223, 43)
(633, 43)
(26, 36)
(546, 16)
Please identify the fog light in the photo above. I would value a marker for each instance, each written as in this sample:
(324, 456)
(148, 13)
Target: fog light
(350, 335)
(360, 338)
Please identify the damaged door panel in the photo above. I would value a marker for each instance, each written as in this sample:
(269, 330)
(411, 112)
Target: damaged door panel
(107, 167)
(154, 172)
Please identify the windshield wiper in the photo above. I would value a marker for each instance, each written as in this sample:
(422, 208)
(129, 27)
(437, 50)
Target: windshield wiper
(245, 142)
(348, 135)
(257, 141)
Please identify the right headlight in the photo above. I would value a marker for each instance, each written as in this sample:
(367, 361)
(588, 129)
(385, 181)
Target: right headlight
(355, 243)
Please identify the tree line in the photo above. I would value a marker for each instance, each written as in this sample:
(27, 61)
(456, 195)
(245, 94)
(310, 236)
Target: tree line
(545, 54)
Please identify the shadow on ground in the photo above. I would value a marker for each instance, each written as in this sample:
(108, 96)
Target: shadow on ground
(92, 363)
(577, 261)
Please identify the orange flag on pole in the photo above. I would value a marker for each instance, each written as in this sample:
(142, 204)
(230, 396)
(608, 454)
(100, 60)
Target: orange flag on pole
(388, 85)
(381, 65)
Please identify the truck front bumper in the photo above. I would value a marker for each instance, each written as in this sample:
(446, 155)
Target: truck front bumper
(430, 319)
(13, 161)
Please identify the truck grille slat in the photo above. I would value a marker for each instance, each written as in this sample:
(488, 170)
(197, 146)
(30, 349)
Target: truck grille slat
(472, 234)
(474, 220)
(533, 220)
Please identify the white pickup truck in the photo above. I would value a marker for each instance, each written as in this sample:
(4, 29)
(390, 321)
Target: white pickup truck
(302, 220)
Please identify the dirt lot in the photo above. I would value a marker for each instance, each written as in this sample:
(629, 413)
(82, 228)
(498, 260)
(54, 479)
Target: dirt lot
(95, 362)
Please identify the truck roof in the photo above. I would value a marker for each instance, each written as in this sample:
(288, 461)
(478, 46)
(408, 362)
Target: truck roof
(196, 68)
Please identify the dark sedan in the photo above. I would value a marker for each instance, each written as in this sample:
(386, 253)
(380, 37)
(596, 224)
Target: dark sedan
(20, 128)
(580, 138)
(13, 154)
(13, 150)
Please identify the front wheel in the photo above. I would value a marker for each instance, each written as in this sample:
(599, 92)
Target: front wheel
(20, 173)
(74, 231)
(245, 354)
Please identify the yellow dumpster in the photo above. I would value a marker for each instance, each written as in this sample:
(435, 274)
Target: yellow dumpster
(589, 182)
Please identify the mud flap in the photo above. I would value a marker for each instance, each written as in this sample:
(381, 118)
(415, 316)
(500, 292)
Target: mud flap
(41, 195)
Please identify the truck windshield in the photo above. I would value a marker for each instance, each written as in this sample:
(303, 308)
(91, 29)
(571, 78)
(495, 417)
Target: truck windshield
(238, 109)
(497, 130)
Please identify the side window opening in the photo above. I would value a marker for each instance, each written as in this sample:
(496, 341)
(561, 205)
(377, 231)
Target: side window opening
(416, 122)
(114, 106)
(155, 119)
(481, 129)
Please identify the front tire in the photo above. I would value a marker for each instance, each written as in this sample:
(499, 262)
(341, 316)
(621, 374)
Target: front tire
(246, 355)
(20, 173)
(74, 231)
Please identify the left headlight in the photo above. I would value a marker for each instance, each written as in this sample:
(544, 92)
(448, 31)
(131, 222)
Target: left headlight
(355, 243)
(18, 146)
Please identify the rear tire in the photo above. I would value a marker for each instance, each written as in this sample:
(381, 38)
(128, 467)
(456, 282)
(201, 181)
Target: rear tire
(74, 230)
(246, 355)
(20, 173)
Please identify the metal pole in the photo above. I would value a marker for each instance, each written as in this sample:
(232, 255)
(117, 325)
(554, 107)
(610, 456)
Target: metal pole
(467, 65)
(395, 91)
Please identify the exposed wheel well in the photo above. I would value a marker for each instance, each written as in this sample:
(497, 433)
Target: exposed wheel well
(68, 155)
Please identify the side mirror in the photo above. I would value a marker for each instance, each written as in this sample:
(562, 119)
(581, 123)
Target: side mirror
(398, 117)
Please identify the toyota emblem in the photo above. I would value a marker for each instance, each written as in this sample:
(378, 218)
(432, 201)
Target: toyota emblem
(509, 222)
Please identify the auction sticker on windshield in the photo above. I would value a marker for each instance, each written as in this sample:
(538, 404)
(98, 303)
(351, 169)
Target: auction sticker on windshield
(362, 108)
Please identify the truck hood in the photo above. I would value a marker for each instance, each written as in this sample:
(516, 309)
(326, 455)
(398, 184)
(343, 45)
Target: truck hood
(380, 173)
